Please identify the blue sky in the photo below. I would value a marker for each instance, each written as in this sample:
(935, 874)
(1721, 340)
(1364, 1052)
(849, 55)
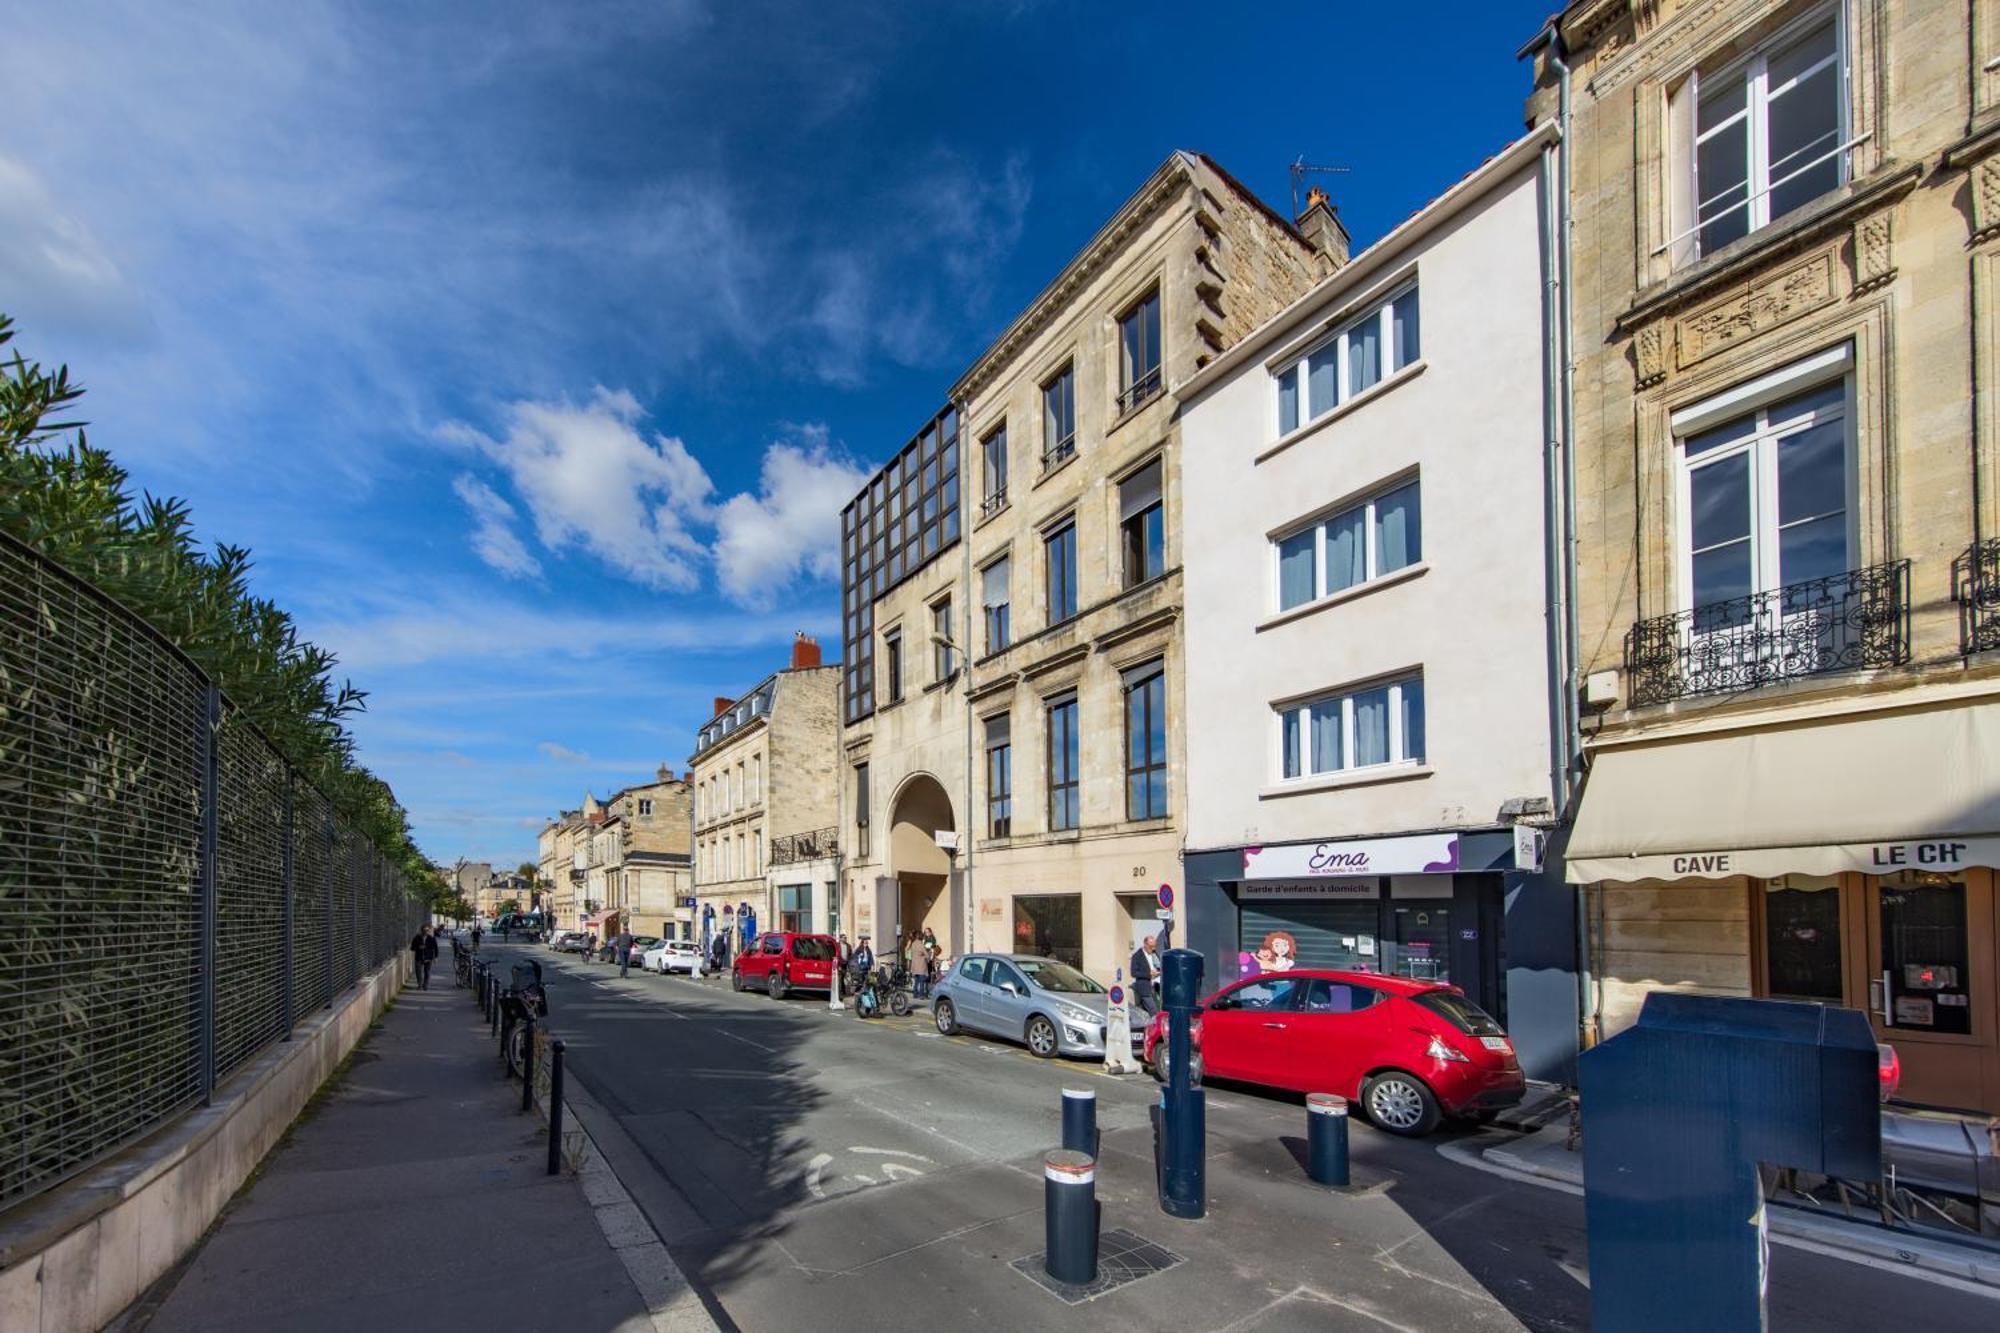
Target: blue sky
(533, 348)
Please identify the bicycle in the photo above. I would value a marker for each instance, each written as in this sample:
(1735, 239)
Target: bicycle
(461, 964)
(894, 988)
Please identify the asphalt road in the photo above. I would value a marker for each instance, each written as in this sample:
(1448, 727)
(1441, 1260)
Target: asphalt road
(811, 1169)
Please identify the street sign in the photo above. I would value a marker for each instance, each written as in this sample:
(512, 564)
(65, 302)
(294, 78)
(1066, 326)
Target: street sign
(1164, 914)
(1527, 847)
(1166, 895)
(1117, 995)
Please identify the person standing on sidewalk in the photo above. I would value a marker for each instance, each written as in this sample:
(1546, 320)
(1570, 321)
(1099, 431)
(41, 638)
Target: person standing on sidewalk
(424, 952)
(1146, 975)
(624, 951)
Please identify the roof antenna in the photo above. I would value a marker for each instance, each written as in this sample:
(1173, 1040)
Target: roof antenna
(1301, 169)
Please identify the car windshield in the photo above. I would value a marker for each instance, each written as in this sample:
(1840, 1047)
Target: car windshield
(1461, 1013)
(1051, 975)
(645, 942)
(811, 948)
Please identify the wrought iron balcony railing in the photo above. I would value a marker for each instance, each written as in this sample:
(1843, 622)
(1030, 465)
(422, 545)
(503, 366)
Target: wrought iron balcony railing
(1059, 453)
(993, 503)
(1976, 587)
(804, 846)
(1845, 622)
(1140, 390)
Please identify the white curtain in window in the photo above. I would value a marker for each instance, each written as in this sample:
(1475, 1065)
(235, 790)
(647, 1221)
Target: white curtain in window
(1295, 568)
(993, 583)
(1326, 736)
(1323, 370)
(1397, 521)
(1371, 727)
(1346, 550)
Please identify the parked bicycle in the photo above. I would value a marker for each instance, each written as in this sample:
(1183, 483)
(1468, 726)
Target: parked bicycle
(895, 991)
(524, 1001)
(461, 961)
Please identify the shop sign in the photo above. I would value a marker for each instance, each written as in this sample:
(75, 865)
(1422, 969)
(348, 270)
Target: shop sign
(1419, 854)
(1308, 888)
(992, 909)
(1944, 855)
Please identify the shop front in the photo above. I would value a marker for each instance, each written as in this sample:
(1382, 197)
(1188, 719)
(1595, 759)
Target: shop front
(1451, 907)
(1900, 924)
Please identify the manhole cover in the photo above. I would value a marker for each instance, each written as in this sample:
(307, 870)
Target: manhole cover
(1122, 1257)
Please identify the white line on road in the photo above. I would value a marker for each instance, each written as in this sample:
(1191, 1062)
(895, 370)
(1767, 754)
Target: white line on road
(813, 1168)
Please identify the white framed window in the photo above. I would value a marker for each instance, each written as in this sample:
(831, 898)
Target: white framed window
(645, 805)
(1769, 131)
(995, 597)
(1350, 362)
(1377, 536)
(1766, 495)
(1364, 728)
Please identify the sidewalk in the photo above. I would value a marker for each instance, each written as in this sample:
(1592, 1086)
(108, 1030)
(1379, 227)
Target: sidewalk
(413, 1189)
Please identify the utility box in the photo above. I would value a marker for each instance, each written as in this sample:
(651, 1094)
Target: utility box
(1679, 1111)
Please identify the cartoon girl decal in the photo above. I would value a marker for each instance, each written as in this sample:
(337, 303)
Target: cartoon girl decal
(1282, 949)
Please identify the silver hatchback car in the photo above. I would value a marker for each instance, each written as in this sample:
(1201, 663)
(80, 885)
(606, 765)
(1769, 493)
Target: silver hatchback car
(1048, 1004)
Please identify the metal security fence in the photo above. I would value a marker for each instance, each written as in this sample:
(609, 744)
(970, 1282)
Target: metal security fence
(172, 896)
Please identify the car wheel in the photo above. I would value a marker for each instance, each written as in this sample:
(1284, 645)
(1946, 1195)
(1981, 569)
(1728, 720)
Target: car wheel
(1400, 1103)
(1160, 1064)
(1042, 1037)
(945, 1017)
(735, 979)
(775, 987)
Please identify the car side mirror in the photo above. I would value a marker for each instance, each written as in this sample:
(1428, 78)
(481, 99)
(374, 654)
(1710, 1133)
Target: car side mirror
(1010, 988)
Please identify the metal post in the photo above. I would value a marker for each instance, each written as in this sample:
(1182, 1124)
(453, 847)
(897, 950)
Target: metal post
(1079, 1120)
(1326, 1139)
(494, 1023)
(289, 961)
(211, 721)
(1069, 1216)
(332, 840)
(528, 1067)
(1184, 1168)
(556, 1107)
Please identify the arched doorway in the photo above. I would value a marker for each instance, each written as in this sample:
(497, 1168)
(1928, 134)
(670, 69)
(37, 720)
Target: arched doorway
(922, 869)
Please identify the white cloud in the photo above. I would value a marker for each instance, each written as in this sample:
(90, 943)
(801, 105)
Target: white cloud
(591, 480)
(562, 754)
(792, 525)
(493, 536)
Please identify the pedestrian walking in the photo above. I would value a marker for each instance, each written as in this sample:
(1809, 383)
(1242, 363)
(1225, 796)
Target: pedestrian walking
(475, 936)
(624, 951)
(423, 952)
(1146, 975)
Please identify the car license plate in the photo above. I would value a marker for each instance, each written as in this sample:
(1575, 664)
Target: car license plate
(1495, 1043)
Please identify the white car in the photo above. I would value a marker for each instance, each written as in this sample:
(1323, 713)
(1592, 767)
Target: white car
(672, 956)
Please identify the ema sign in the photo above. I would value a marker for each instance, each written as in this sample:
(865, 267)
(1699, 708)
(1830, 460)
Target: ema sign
(1421, 854)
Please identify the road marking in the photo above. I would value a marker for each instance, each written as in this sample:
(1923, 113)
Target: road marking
(813, 1168)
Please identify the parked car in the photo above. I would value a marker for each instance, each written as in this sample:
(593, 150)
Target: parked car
(1048, 1004)
(569, 941)
(640, 943)
(782, 961)
(672, 956)
(1408, 1052)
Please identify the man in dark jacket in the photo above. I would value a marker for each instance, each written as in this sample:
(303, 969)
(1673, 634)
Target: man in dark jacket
(1146, 975)
(423, 952)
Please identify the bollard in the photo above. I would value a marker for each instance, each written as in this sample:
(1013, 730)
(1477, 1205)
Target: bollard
(528, 1066)
(493, 1021)
(556, 1105)
(1326, 1139)
(1069, 1216)
(1079, 1120)
(1183, 1111)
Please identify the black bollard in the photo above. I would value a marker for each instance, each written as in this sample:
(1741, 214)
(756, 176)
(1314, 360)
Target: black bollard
(1326, 1139)
(556, 1106)
(1079, 1120)
(1069, 1216)
(528, 1066)
(493, 1021)
(1183, 1112)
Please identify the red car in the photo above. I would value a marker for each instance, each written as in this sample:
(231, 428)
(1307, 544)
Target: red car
(782, 961)
(1409, 1052)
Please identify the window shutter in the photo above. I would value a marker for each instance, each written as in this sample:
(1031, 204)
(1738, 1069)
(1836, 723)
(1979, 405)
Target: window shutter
(1139, 491)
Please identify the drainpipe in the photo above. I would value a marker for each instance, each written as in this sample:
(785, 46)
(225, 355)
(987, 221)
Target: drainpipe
(1567, 717)
(964, 664)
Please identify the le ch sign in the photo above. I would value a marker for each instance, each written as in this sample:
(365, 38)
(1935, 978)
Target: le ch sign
(1875, 856)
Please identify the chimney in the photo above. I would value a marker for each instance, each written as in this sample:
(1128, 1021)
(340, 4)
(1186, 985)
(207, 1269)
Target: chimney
(665, 773)
(1320, 225)
(805, 651)
(722, 702)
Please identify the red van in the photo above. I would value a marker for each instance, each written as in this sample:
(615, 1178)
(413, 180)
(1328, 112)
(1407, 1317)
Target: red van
(783, 961)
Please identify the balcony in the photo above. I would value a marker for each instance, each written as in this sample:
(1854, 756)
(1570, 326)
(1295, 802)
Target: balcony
(993, 503)
(1059, 453)
(794, 847)
(1141, 389)
(1975, 585)
(1845, 622)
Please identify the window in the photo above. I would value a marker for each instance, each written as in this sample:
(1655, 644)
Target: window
(1059, 417)
(892, 657)
(1063, 767)
(1377, 345)
(1802, 959)
(999, 776)
(756, 779)
(1047, 926)
(1146, 742)
(1381, 535)
(645, 805)
(861, 809)
(1142, 525)
(943, 662)
(1382, 724)
(795, 910)
(1277, 993)
(1059, 545)
(1139, 352)
(993, 479)
(973, 969)
(994, 593)
(1769, 133)
(1764, 504)
(1338, 997)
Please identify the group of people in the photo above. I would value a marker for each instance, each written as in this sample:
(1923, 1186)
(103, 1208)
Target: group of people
(919, 953)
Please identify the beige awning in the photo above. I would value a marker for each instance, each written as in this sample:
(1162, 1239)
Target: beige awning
(1875, 793)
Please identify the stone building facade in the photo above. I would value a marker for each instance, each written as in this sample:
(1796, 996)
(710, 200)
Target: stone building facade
(1014, 775)
(762, 773)
(1785, 215)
